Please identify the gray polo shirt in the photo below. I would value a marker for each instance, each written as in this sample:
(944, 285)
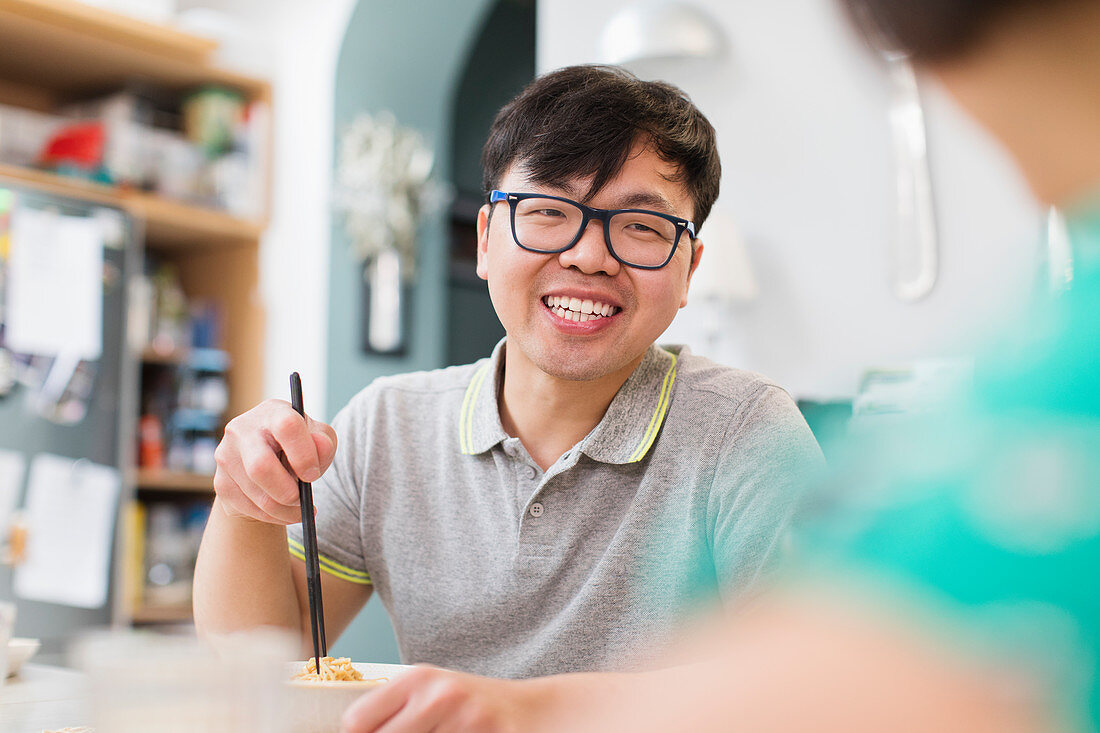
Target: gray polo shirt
(487, 564)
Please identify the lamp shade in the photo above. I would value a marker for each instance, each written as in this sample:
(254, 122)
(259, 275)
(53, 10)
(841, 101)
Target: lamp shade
(725, 272)
(660, 30)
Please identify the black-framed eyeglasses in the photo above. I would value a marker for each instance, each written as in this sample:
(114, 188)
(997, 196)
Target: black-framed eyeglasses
(552, 224)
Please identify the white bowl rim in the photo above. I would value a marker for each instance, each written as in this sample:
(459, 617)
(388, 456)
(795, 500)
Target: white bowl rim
(20, 651)
(374, 669)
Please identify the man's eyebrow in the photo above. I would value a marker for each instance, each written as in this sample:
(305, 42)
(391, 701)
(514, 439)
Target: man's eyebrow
(637, 200)
(566, 189)
(647, 200)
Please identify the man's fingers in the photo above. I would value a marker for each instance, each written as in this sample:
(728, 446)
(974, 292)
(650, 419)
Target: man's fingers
(324, 440)
(431, 696)
(372, 710)
(293, 437)
(265, 503)
(264, 468)
(264, 481)
(252, 456)
(415, 718)
(234, 501)
(262, 455)
(232, 478)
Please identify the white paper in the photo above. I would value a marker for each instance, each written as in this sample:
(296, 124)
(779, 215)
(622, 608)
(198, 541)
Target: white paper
(12, 466)
(55, 284)
(70, 513)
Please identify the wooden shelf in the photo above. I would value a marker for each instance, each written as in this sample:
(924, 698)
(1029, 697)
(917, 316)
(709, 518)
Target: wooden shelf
(168, 224)
(160, 480)
(68, 50)
(53, 52)
(162, 615)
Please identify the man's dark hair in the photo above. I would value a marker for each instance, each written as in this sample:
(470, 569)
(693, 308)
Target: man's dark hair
(933, 30)
(582, 121)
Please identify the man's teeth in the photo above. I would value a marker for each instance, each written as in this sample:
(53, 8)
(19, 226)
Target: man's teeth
(579, 310)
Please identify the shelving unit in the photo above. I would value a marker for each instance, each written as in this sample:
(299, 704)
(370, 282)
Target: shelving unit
(146, 616)
(168, 224)
(60, 49)
(57, 51)
(173, 481)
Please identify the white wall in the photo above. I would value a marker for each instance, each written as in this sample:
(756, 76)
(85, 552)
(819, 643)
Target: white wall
(295, 45)
(295, 253)
(800, 110)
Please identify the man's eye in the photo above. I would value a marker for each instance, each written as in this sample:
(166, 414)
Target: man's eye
(639, 230)
(548, 212)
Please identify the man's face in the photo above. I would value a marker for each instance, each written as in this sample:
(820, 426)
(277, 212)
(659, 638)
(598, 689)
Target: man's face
(529, 289)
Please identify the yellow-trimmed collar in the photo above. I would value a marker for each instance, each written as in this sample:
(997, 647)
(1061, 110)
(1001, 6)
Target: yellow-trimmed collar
(624, 435)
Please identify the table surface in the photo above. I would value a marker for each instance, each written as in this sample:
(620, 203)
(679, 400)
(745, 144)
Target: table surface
(42, 698)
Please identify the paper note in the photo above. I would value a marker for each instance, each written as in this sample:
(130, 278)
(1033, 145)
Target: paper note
(70, 512)
(12, 466)
(55, 284)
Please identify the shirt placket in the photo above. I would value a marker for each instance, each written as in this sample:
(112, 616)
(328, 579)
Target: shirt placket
(539, 519)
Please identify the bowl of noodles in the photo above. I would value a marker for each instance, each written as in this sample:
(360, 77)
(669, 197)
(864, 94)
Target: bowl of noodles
(318, 699)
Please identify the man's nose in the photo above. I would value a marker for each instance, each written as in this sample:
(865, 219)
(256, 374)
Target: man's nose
(590, 254)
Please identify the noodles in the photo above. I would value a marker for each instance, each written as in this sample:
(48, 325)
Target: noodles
(339, 669)
(332, 670)
(335, 670)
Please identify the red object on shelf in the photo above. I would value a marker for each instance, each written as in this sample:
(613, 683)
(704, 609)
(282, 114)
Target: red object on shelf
(150, 442)
(79, 144)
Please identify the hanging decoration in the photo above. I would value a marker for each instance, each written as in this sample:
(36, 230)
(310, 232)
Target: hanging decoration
(384, 189)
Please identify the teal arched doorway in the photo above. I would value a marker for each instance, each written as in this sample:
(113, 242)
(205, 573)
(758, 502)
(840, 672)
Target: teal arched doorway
(411, 59)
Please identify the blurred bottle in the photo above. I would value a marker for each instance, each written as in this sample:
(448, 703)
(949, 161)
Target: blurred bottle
(151, 442)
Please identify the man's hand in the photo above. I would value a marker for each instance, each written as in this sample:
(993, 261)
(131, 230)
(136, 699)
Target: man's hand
(431, 699)
(263, 454)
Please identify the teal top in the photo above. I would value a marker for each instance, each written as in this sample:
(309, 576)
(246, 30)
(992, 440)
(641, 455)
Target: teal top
(992, 514)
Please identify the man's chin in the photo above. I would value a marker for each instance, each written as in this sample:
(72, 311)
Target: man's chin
(587, 367)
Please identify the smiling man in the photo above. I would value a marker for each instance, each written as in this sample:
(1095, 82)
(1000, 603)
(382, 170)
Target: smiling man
(554, 507)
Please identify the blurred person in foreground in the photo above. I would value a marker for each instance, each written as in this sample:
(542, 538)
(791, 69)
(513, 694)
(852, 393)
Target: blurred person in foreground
(502, 510)
(954, 584)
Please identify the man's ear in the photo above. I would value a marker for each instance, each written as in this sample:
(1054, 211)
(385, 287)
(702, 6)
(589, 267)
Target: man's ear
(483, 242)
(691, 270)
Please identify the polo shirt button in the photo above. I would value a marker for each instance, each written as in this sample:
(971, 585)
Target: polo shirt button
(536, 509)
(531, 472)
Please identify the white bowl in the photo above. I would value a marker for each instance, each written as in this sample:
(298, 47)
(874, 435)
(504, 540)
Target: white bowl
(316, 707)
(19, 651)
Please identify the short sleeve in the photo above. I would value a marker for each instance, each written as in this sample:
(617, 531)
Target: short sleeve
(337, 497)
(767, 459)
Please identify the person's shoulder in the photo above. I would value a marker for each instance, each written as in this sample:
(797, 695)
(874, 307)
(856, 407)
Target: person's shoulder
(703, 378)
(431, 385)
(430, 381)
(744, 405)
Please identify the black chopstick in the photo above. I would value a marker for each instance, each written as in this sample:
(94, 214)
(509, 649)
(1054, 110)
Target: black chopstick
(309, 537)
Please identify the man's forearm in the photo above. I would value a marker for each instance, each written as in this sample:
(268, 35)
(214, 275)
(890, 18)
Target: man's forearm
(243, 577)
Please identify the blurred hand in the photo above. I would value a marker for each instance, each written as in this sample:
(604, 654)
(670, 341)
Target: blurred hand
(261, 457)
(431, 699)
